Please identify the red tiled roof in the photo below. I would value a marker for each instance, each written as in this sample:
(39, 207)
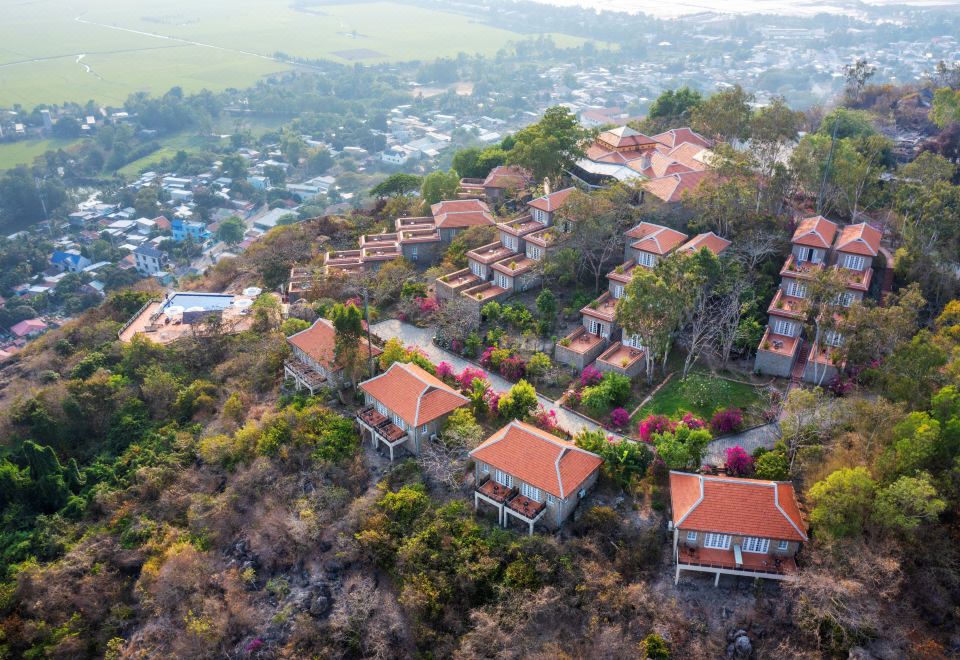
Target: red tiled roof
(162, 222)
(538, 458)
(553, 201)
(670, 188)
(815, 231)
(505, 176)
(624, 136)
(689, 154)
(676, 136)
(24, 328)
(319, 342)
(655, 239)
(708, 240)
(413, 393)
(461, 213)
(860, 239)
(728, 505)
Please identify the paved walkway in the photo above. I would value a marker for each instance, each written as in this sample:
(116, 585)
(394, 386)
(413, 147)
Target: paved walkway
(761, 436)
(422, 338)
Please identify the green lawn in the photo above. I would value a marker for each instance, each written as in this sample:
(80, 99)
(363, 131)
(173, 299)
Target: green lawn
(135, 47)
(700, 394)
(23, 152)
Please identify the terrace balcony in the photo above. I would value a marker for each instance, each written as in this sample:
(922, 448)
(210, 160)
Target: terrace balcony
(800, 269)
(344, 260)
(514, 266)
(579, 348)
(858, 280)
(734, 562)
(522, 226)
(485, 292)
(622, 359)
(490, 253)
(452, 284)
(419, 222)
(508, 502)
(381, 429)
(378, 239)
(788, 306)
(623, 273)
(544, 238)
(603, 308)
(303, 376)
(524, 509)
(779, 344)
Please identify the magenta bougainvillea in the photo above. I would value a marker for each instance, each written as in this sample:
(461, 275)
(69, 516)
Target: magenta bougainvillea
(739, 462)
(468, 375)
(590, 376)
(619, 417)
(513, 368)
(653, 425)
(427, 306)
(727, 420)
(545, 419)
(693, 422)
(445, 371)
(493, 401)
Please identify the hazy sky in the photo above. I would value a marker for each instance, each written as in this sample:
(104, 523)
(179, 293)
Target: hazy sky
(683, 7)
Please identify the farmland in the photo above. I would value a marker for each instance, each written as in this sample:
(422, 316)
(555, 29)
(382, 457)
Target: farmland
(109, 49)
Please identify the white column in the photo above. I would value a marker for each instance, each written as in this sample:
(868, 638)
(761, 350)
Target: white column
(716, 582)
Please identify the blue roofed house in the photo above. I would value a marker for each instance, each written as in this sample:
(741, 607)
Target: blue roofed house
(69, 261)
(184, 229)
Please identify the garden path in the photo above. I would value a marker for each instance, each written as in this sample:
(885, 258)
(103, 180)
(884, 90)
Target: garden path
(759, 436)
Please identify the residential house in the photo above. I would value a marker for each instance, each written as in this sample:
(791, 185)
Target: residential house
(532, 475)
(312, 364)
(818, 243)
(150, 260)
(28, 328)
(69, 261)
(500, 183)
(729, 526)
(405, 407)
(184, 229)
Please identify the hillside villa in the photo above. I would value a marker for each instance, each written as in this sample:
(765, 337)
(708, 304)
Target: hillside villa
(312, 364)
(404, 407)
(529, 474)
(731, 526)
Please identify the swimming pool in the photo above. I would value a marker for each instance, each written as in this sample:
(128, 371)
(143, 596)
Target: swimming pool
(206, 301)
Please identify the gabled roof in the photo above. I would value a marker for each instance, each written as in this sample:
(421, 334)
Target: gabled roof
(319, 342)
(414, 394)
(538, 458)
(728, 505)
(708, 240)
(676, 136)
(656, 239)
(860, 239)
(670, 188)
(815, 231)
(24, 328)
(506, 176)
(624, 136)
(553, 201)
(461, 213)
(148, 250)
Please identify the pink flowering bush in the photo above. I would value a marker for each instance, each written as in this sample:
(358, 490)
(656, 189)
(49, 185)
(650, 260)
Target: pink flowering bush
(590, 376)
(693, 422)
(427, 306)
(456, 346)
(513, 368)
(544, 419)
(653, 425)
(619, 417)
(739, 462)
(727, 420)
(493, 402)
(445, 371)
(468, 375)
(355, 301)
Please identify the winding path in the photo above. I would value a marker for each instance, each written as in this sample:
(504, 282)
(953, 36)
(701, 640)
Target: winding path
(760, 436)
(422, 338)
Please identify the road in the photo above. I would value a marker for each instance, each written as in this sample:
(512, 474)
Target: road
(422, 338)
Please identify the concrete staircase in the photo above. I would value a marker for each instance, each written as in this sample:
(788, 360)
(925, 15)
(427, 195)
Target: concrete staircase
(796, 374)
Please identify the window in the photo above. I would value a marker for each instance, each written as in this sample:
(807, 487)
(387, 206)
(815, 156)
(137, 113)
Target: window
(382, 409)
(502, 477)
(754, 544)
(782, 546)
(646, 259)
(529, 491)
(618, 291)
(534, 252)
(854, 262)
(810, 254)
(413, 253)
(423, 430)
(781, 327)
(797, 289)
(634, 342)
(502, 281)
(833, 338)
(595, 327)
(716, 541)
(691, 536)
(476, 269)
(483, 467)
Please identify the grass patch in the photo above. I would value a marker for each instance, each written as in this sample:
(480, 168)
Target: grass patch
(701, 394)
(25, 151)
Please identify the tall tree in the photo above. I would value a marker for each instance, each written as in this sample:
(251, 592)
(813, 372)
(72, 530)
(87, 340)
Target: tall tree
(549, 147)
(725, 115)
(347, 350)
(439, 186)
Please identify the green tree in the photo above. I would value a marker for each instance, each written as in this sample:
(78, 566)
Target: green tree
(231, 230)
(518, 402)
(650, 309)
(547, 307)
(773, 465)
(946, 107)
(234, 166)
(396, 185)
(462, 429)
(292, 326)
(912, 372)
(843, 502)
(725, 115)
(348, 355)
(439, 186)
(907, 503)
(682, 449)
(674, 107)
(549, 147)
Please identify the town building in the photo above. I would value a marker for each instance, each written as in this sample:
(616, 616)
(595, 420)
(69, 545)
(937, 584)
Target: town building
(70, 261)
(312, 364)
(150, 260)
(405, 407)
(28, 328)
(817, 244)
(730, 526)
(529, 474)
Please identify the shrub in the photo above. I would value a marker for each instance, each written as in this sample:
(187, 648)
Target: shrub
(739, 462)
(773, 465)
(655, 425)
(445, 371)
(623, 461)
(590, 376)
(513, 368)
(468, 375)
(619, 417)
(518, 402)
(692, 421)
(727, 420)
(471, 347)
(545, 419)
(427, 306)
(682, 448)
(654, 647)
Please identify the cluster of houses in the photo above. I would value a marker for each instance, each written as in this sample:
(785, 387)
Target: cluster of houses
(817, 244)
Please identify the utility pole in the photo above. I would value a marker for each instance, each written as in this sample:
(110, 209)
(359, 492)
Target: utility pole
(366, 317)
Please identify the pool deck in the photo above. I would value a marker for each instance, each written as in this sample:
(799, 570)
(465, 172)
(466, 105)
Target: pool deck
(162, 332)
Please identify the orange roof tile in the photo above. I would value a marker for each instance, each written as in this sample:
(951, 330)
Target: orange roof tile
(670, 188)
(461, 213)
(677, 136)
(505, 176)
(551, 202)
(708, 240)
(538, 458)
(623, 137)
(413, 393)
(815, 231)
(861, 238)
(655, 239)
(319, 340)
(728, 505)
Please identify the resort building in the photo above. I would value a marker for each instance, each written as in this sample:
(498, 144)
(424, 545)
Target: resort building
(312, 364)
(502, 182)
(531, 475)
